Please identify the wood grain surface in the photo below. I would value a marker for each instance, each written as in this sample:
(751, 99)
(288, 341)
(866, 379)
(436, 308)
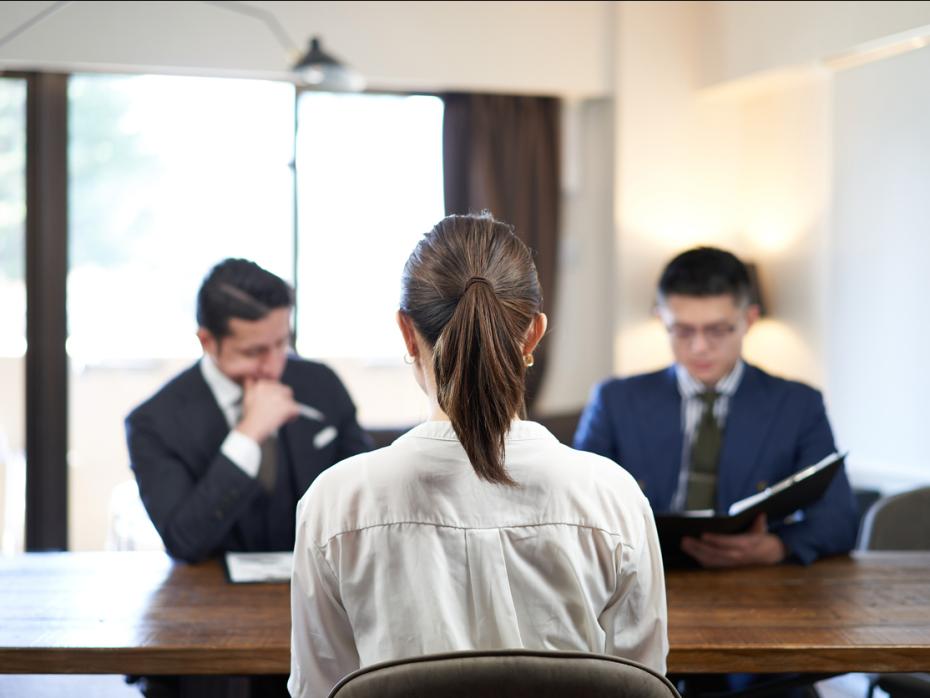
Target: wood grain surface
(137, 613)
(140, 613)
(870, 612)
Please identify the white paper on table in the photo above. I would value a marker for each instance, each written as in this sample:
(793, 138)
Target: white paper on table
(259, 567)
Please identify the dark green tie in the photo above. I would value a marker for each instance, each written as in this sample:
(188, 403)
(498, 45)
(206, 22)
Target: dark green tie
(705, 452)
(268, 463)
(268, 466)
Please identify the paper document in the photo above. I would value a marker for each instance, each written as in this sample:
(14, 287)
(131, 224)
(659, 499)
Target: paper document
(259, 567)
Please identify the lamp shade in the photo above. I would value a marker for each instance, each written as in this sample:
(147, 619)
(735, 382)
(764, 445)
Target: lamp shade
(319, 70)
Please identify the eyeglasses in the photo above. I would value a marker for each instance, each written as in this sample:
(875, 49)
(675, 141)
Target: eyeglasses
(713, 334)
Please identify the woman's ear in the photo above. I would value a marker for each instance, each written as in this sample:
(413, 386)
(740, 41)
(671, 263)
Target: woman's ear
(406, 329)
(535, 333)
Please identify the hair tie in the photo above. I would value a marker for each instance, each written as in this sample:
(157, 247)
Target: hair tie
(476, 280)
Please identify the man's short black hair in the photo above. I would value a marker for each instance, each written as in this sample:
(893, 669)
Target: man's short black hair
(706, 271)
(238, 288)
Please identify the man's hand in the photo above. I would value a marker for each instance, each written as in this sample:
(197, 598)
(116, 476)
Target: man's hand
(755, 547)
(266, 405)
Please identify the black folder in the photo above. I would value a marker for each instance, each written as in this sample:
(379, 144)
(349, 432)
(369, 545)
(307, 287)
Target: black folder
(777, 502)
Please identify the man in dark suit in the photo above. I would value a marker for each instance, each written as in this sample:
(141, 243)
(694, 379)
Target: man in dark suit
(712, 429)
(224, 451)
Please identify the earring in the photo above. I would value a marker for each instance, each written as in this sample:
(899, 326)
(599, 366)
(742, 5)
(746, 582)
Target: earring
(528, 360)
(409, 360)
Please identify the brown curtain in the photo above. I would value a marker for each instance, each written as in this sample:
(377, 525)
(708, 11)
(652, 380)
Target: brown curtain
(501, 153)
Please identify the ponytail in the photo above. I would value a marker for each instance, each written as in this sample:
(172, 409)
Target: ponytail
(480, 378)
(471, 290)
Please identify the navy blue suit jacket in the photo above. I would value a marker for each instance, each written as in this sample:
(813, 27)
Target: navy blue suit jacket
(774, 428)
(203, 504)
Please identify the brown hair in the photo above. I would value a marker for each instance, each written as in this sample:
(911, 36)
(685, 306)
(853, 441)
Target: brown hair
(471, 290)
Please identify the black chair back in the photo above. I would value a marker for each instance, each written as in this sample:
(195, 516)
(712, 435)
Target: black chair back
(899, 522)
(506, 674)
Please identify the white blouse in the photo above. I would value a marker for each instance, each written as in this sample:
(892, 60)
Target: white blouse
(404, 551)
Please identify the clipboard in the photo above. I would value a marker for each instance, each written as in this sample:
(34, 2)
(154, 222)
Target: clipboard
(777, 502)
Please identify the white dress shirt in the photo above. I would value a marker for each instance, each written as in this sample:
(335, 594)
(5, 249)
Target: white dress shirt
(242, 450)
(404, 551)
(692, 408)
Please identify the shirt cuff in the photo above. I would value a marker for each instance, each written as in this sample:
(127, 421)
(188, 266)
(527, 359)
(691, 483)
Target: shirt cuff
(243, 451)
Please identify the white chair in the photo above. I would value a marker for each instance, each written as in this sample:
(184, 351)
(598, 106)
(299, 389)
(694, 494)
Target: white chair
(128, 524)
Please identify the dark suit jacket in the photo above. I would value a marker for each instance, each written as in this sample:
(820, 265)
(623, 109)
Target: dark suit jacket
(774, 428)
(203, 504)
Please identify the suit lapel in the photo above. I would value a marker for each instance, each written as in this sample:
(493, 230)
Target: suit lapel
(662, 422)
(301, 453)
(200, 419)
(306, 460)
(749, 419)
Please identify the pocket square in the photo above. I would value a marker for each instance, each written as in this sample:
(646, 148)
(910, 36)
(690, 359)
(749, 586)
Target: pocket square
(325, 436)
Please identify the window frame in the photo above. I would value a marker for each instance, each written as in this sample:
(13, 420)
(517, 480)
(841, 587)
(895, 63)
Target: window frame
(46, 265)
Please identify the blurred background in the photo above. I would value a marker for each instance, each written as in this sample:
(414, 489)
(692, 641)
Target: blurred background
(793, 133)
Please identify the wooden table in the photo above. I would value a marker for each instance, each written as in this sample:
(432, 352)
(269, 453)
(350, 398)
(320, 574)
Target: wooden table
(870, 612)
(139, 613)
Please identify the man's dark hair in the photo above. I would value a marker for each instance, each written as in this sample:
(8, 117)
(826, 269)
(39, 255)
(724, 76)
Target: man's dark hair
(238, 288)
(706, 271)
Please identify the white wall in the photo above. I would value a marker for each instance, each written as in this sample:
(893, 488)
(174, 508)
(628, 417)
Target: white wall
(782, 195)
(867, 228)
(661, 204)
(742, 169)
(12, 438)
(737, 128)
(879, 376)
(580, 332)
(558, 48)
(746, 38)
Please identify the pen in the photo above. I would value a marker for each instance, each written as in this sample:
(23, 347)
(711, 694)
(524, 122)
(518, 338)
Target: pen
(311, 413)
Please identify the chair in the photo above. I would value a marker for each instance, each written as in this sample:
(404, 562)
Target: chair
(865, 498)
(128, 524)
(562, 426)
(506, 674)
(900, 522)
(385, 436)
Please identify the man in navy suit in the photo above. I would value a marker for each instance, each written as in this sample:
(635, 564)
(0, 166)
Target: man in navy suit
(712, 429)
(224, 451)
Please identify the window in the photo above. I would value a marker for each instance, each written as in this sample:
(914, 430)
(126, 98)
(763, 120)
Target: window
(369, 171)
(12, 312)
(167, 175)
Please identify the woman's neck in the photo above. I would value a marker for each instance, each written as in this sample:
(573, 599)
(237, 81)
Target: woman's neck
(436, 413)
